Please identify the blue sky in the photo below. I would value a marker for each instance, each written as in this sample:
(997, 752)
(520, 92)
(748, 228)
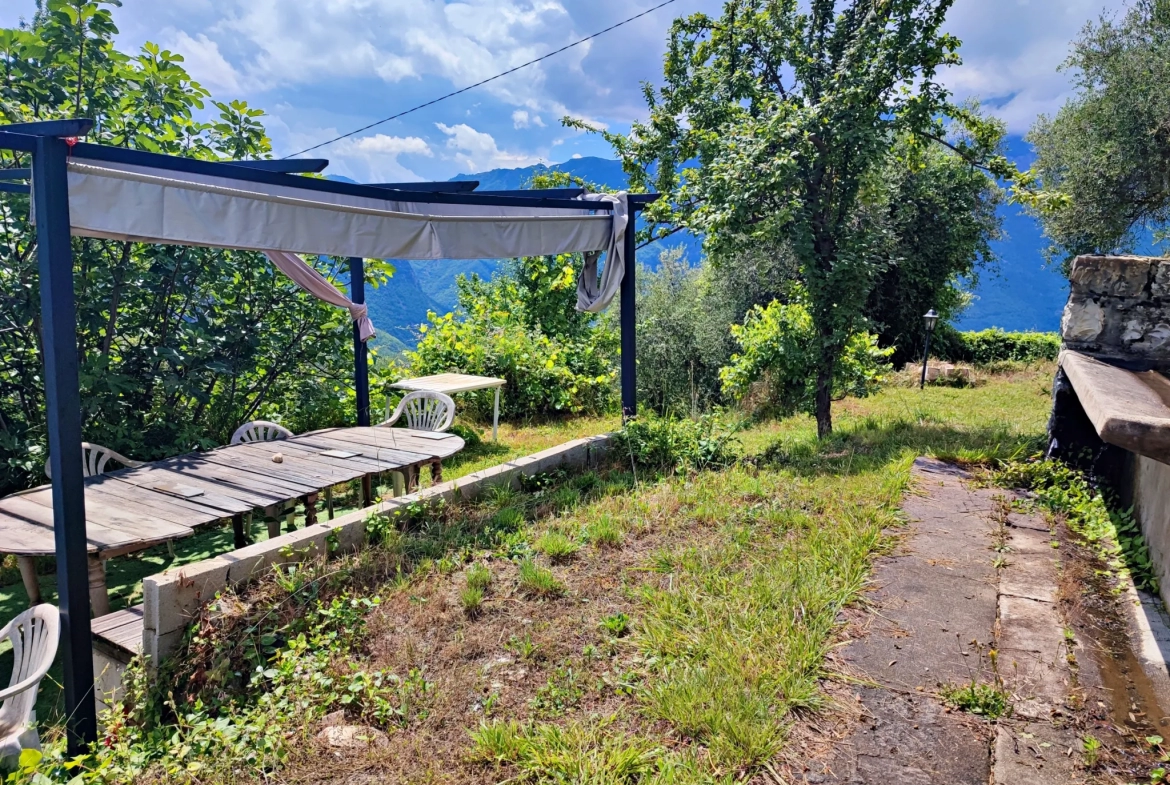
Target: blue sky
(323, 66)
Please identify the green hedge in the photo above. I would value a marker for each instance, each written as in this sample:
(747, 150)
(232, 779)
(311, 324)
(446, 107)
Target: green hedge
(994, 345)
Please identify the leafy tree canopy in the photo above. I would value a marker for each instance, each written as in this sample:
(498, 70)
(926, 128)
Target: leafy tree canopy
(772, 127)
(177, 346)
(1104, 159)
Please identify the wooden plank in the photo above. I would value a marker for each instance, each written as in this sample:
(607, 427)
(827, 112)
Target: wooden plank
(401, 439)
(121, 628)
(26, 528)
(158, 505)
(118, 517)
(215, 496)
(385, 455)
(198, 466)
(346, 469)
(258, 459)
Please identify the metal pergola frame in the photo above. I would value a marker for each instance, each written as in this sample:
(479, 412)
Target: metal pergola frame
(50, 143)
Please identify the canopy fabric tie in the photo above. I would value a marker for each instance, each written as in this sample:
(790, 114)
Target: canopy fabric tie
(594, 296)
(306, 276)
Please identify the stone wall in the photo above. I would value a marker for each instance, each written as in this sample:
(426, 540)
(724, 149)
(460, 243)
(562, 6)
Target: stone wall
(1119, 309)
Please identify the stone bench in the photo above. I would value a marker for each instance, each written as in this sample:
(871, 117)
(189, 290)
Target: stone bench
(1128, 409)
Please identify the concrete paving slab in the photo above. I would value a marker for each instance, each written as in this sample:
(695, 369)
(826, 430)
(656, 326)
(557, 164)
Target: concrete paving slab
(1030, 576)
(1036, 753)
(907, 739)
(929, 618)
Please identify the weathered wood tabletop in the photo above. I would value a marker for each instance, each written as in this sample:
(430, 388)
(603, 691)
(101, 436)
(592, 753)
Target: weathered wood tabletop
(133, 509)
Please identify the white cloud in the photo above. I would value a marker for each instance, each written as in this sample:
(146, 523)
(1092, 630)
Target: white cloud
(575, 156)
(1012, 50)
(203, 60)
(477, 151)
(522, 119)
(376, 158)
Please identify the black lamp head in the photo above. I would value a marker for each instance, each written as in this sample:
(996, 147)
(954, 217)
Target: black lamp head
(930, 318)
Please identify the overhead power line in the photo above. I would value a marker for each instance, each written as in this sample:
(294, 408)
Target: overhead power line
(481, 83)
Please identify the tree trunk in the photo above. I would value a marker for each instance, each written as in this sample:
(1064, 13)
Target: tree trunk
(824, 398)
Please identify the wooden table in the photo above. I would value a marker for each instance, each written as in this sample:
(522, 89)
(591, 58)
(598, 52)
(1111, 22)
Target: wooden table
(130, 510)
(451, 383)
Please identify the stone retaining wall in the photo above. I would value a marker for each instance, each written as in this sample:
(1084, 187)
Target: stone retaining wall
(173, 598)
(1119, 309)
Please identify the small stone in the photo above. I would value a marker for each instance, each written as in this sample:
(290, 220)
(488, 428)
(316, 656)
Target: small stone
(353, 736)
(278, 458)
(333, 718)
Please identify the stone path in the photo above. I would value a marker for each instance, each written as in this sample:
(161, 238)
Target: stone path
(940, 605)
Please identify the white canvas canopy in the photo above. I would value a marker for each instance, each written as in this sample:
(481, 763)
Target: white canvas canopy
(144, 204)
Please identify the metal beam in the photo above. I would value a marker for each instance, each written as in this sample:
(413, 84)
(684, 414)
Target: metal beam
(291, 166)
(97, 152)
(452, 187)
(77, 126)
(24, 143)
(629, 322)
(63, 413)
(553, 193)
(14, 188)
(15, 174)
(361, 366)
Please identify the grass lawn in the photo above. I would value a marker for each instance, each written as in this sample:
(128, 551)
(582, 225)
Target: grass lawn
(124, 574)
(604, 627)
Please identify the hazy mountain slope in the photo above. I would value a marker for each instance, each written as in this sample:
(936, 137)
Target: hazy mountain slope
(1023, 294)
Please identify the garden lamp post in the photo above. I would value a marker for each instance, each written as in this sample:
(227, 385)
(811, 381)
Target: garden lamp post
(930, 318)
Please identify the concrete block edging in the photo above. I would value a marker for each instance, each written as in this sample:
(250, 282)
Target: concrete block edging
(172, 599)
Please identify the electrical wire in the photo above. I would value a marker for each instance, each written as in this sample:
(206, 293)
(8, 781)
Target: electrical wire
(480, 83)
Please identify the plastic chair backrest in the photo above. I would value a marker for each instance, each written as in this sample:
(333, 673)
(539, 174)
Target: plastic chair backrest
(95, 458)
(34, 635)
(259, 431)
(425, 410)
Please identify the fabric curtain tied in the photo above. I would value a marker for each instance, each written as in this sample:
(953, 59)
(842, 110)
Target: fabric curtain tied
(594, 296)
(305, 276)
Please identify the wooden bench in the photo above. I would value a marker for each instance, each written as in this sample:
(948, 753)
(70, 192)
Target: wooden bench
(117, 639)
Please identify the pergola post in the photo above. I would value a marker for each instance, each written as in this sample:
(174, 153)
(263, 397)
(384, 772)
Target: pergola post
(361, 364)
(629, 324)
(63, 415)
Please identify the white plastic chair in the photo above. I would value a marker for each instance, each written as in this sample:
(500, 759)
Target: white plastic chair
(425, 410)
(259, 431)
(265, 431)
(95, 458)
(34, 635)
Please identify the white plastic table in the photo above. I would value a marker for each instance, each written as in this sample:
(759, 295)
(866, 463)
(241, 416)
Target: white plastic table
(451, 383)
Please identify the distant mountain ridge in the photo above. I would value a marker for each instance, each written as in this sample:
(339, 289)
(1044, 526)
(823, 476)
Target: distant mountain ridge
(1023, 294)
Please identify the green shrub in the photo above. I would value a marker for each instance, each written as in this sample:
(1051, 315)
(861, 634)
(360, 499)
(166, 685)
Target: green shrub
(470, 436)
(522, 327)
(994, 345)
(778, 345)
(679, 444)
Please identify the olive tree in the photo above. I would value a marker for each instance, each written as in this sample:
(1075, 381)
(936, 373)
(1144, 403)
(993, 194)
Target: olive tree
(1104, 159)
